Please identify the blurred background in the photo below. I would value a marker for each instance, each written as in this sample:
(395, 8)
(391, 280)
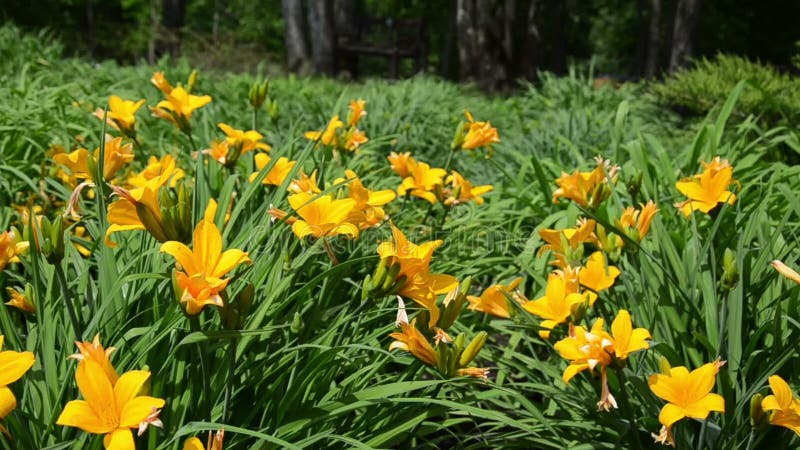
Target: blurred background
(491, 42)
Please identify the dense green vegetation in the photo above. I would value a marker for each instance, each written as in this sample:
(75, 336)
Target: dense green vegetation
(312, 355)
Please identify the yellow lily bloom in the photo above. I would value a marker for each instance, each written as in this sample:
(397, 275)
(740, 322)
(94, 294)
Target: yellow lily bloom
(367, 211)
(626, 338)
(305, 183)
(354, 138)
(567, 244)
(115, 156)
(688, 394)
(420, 286)
(636, 222)
(160, 81)
(784, 407)
(402, 163)
(322, 216)
(111, 409)
(422, 181)
(13, 366)
(782, 269)
(179, 106)
(126, 213)
(246, 140)
(586, 188)
(357, 112)
(201, 268)
(597, 275)
(327, 136)
(462, 190)
(479, 134)
(560, 299)
(10, 247)
(493, 300)
(163, 169)
(214, 443)
(121, 114)
(282, 168)
(20, 301)
(412, 341)
(95, 351)
(707, 189)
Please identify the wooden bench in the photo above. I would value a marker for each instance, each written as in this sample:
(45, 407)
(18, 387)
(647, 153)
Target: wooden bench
(383, 37)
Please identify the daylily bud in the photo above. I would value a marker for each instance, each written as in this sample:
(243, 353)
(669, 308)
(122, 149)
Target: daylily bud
(192, 82)
(379, 275)
(730, 273)
(601, 192)
(759, 419)
(258, 93)
(579, 311)
(634, 186)
(452, 307)
(366, 287)
(297, 323)
(272, 110)
(53, 239)
(458, 138)
(244, 302)
(390, 279)
(473, 348)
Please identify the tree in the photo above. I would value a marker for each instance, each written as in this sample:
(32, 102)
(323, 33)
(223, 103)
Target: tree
(481, 53)
(653, 39)
(686, 15)
(173, 18)
(294, 35)
(323, 35)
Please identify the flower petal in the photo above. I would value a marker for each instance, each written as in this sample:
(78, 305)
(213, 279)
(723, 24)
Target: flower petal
(79, 414)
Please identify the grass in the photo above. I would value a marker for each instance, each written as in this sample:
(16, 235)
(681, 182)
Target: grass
(309, 365)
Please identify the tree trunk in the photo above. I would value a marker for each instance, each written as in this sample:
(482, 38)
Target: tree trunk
(173, 19)
(323, 36)
(480, 42)
(294, 35)
(686, 16)
(560, 17)
(640, 54)
(346, 31)
(151, 41)
(653, 39)
(529, 54)
(448, 67)
(468, 54)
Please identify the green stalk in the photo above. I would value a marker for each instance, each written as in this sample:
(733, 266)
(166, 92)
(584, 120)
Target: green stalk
(62, 281)
(229, 379)
(194, 324)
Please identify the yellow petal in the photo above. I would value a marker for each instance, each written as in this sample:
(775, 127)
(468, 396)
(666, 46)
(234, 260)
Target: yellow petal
(128, 386)
(670, 414)
(79, 414)
(119, 439)
(207, 245)
(97, 391)
(782, 391)
(7, 402)
(701, 408)
(182, 254)
(137, 410)
(193, 444)
(13, 365)
(228, 261)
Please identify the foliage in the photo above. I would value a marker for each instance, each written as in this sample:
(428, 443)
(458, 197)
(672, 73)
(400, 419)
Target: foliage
(308, 366)
(772, 97)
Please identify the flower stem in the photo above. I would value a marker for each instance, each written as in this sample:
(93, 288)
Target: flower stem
(751, 440)
(331, 254)
(229, 379)
(62, 281)
(194, 325)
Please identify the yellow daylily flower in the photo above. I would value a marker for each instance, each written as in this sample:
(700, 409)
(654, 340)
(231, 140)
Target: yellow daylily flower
(422, 181)
(367, 211)
(214, 443)
(328, 136)
(115, 156)
(20, 300)
(245, 140)
(479, 134)
(10, 247)
(708, 189)
(95, 351)
(462, 190)
(305, 183)
(356, 113)
(636, 222)
(626, 338)
(567, 243)
(412, 341)
(597, 275)
(160, 81)
(560, 299)
(587, 189)
(783, 406)
(782, 269)
(137, 209)
(201, 268)
(111, 409)
(164, 169)
(322, 216)
(494, 299)
(688, 394)
(421, 286)
(121, 114)
(279, 171)
(179, 106)
(354, 138)
(13, 366)
(402, 163)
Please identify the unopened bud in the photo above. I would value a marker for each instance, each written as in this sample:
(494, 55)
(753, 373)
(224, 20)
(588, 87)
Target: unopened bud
(473, 348)
(458, 137)
(730, 273)
(192, 82)
(759, 419)
(663, 366)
